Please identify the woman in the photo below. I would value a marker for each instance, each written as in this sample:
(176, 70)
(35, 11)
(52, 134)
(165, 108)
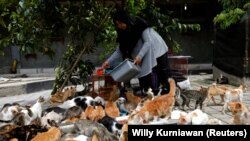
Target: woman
(140, 42)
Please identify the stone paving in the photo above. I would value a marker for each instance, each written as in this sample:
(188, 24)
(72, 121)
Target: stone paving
(211, 109)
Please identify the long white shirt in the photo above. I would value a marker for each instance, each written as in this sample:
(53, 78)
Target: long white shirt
(149, 47)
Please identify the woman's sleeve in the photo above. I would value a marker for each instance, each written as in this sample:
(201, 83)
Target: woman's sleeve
(145, 43)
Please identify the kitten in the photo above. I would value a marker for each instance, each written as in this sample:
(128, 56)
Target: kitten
(53, 134)
(198, 95)
(160, 106)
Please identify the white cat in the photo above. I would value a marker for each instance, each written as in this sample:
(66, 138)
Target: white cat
(195, 117)
(185, 85)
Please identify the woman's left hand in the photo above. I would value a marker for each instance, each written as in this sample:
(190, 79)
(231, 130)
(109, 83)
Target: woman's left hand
(137, 60)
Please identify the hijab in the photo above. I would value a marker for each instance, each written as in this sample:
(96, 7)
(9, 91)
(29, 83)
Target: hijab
(129, 37)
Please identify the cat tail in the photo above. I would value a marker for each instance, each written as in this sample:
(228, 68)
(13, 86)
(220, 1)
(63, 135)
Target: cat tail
(172, 86)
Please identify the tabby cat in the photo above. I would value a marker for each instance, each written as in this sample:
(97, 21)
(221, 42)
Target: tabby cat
(198, 95)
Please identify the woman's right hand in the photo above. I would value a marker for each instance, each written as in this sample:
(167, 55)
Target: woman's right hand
(105, 65)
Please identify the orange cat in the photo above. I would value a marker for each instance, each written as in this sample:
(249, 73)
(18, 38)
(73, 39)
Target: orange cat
(240, 112)
(53, 134)
(69, 93)
(132, 98)
(216, 90)
(111, 109)
(60, 97)
(124, 134)
(114, 95)
(94, 113)
(160, 106)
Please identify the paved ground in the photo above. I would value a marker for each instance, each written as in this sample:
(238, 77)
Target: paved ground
(30, 98)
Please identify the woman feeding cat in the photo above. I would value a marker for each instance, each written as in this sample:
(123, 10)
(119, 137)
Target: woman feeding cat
(141, 43)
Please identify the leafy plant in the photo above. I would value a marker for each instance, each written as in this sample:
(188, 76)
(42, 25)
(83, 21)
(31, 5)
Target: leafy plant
(232, 12)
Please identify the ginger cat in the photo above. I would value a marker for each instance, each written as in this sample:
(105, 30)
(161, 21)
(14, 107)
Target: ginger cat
(160, 106)
(131, 98)
(60, 97)
(124, 134)
(94, 113)
(240, 112)
(111, 109)
(53, 134)
(216, 90)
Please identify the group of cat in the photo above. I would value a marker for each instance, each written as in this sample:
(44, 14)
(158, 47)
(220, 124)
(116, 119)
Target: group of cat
(68, 117)
(232, 99)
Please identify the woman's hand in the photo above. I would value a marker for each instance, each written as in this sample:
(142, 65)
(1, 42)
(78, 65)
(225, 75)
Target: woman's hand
(137, 60)
(105, 65)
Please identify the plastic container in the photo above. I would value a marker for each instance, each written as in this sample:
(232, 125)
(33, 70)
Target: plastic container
(125, 71)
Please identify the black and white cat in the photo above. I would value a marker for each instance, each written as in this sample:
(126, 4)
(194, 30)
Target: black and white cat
(81, 101)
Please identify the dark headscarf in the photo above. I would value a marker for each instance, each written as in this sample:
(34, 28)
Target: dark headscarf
(129, 37)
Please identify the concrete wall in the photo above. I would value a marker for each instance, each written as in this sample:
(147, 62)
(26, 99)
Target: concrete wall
(194, 44)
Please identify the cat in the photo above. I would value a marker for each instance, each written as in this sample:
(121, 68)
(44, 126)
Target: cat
(52, 115)
(185, 85)
(198, 95)
(88, 128)
(222, 80)
(124, 133)
(81, 101)
(23, 133)
(215, 90)
(111, 109)
(111, 124)
(37, 108)
(34, 112)
(53, 134)
(9, 110)
(233, 95)
(160, 106)
(132, 98)
(240, 113)
(124, 106)
(94, 113)
(60, 97)
(195, 117)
